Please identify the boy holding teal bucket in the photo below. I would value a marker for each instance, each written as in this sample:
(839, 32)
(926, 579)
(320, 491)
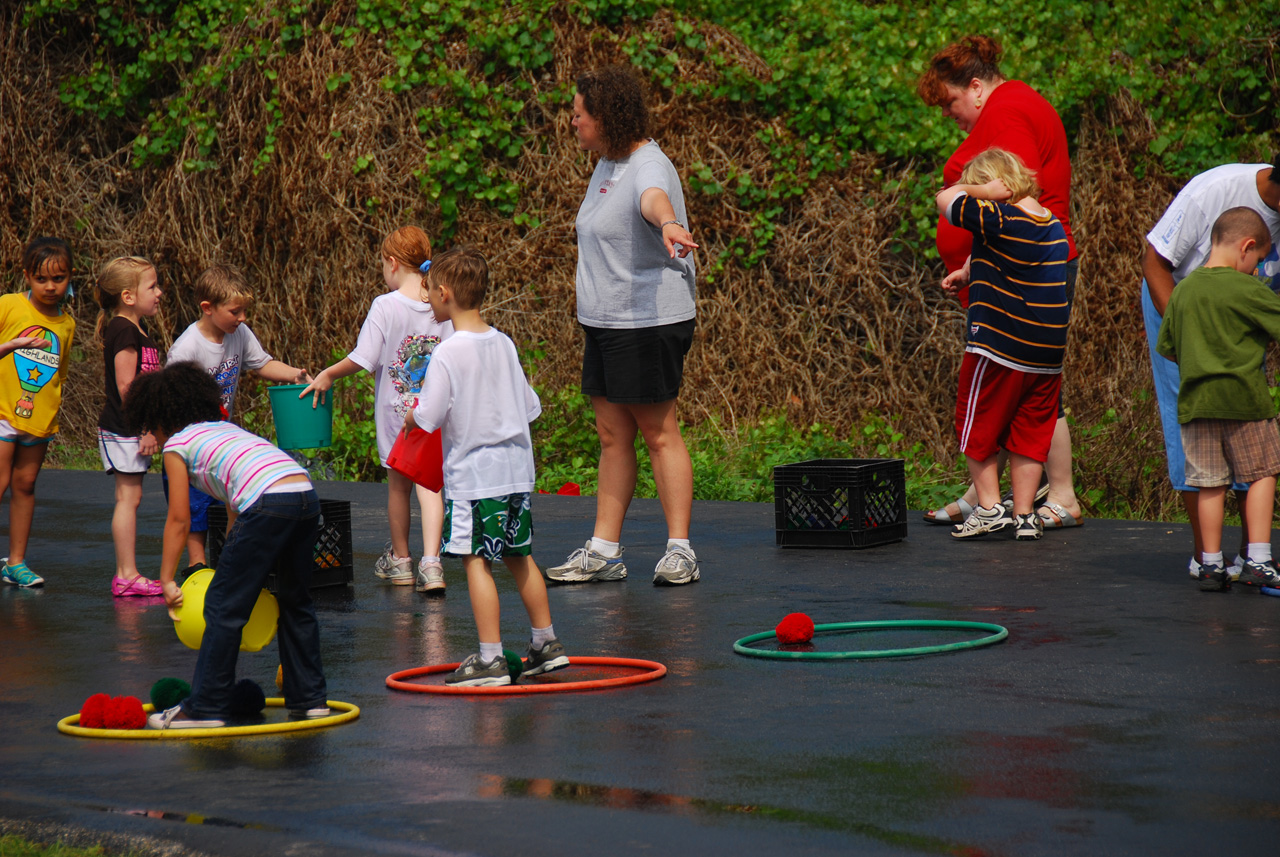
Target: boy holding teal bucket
(221, 343)
(276, 517)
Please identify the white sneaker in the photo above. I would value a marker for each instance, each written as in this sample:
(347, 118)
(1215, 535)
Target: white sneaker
(430, 577)
(587, 566)
(983, 522)
(677, 566)
(397, 569)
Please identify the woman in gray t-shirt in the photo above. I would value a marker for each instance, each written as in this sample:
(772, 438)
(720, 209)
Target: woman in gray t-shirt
(635, 286)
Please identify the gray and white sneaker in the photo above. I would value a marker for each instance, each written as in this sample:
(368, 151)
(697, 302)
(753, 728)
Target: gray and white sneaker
(430, 577)
(1028, 527)
(677, 566)
(550, 657)
(587, 566)
(474, 672)
(398, 570)
(983, 522)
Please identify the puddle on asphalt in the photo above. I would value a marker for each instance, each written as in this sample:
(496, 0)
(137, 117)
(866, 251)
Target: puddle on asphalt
(184, 818)
(614, 797)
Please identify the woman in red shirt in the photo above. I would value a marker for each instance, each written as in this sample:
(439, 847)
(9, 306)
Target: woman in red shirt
(964, 80)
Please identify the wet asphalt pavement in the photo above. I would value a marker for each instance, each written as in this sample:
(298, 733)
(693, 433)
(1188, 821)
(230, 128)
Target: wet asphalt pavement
(1127, 712)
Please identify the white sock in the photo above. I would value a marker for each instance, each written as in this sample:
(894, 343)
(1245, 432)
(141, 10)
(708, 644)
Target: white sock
(672, 544)
(1260, 551)
(489, 651)
(604, 548)
(431, 559)
(1207, 558)
(540, 636)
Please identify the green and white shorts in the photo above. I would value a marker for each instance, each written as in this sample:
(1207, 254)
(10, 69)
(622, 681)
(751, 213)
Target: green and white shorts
(490, 529)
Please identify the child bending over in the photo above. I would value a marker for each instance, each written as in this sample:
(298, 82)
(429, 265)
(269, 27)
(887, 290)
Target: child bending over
(276, 517)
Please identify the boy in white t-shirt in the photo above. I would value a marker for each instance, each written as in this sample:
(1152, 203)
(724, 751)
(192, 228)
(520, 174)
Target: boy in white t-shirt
(221, 343)
(477, 394)
(395, 344)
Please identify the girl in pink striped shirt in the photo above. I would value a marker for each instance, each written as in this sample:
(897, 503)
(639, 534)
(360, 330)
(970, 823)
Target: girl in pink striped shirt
(275, 517)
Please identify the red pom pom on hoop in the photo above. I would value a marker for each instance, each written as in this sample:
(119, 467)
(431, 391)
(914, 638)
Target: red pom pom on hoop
(794, 628)
(125, 712)
(93, 712)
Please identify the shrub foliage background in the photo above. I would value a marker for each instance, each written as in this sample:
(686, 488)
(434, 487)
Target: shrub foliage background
(290, 137)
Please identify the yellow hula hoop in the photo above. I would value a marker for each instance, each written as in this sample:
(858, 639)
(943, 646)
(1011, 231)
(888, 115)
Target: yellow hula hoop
(346, 712)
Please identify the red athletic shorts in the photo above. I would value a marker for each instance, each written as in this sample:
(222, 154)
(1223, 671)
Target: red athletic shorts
(998, 407)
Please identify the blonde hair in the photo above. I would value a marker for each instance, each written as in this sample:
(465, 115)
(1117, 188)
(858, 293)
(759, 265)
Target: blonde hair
(1006, 166)
(464, 271)
(116, 277)
(221, 284)
(408, 245)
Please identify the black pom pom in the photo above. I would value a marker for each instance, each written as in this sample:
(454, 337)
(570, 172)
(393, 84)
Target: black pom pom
(247, 698)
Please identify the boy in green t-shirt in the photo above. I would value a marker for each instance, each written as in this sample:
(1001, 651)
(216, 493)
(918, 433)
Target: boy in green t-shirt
(1216, 328)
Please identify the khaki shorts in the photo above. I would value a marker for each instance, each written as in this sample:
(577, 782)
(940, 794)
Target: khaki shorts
(1218, 450)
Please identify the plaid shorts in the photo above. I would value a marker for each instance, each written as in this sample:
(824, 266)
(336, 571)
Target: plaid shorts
(1218, 450)
(489, 529)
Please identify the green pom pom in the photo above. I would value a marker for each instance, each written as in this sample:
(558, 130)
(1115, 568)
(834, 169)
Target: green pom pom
(168, 692)
(514, 665)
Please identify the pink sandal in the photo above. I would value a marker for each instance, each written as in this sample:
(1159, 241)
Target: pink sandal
(138, 587)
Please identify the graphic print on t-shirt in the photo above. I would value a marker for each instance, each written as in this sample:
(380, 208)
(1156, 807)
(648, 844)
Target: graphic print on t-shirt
(409, 369)
(150, 360)
(227, 374)
(35, 367)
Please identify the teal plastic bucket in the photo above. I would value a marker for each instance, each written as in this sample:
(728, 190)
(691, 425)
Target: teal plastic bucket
(298, 425)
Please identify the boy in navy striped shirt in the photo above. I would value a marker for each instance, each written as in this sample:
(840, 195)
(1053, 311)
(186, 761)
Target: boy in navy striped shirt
(1011, 376)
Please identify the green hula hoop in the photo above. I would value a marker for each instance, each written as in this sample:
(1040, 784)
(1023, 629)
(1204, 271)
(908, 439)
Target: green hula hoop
(997, 633)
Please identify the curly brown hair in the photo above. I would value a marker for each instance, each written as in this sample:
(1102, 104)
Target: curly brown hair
(958, 64)
(172, 399)
(615, 97)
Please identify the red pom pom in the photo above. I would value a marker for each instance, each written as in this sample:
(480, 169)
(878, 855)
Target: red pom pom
(125, 712)
(93, 712)
(794, 628)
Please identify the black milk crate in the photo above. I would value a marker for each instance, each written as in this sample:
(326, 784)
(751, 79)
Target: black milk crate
(840, 502)
(333, 566)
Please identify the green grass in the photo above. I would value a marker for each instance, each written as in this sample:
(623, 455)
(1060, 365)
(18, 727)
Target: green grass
(18, 846)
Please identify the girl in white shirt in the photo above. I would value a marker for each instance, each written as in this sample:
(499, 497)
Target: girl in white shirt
(395, 344)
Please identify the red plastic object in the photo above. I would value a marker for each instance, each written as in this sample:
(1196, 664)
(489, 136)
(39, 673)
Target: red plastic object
(652, 671)
(419, 456)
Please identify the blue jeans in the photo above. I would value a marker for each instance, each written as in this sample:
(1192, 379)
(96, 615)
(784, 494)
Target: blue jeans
(1167, 380)
(283, 528)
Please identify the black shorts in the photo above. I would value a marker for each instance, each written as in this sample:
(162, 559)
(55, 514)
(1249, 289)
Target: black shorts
(636, 366)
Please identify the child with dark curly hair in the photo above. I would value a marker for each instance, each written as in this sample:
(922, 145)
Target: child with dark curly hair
(274, 514)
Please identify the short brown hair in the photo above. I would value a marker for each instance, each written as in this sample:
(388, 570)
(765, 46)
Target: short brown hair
(464, 270)
(1237, 224)
(1000, 164)
(408, 245)
(957, 65)
(221, 284)
(615, 97)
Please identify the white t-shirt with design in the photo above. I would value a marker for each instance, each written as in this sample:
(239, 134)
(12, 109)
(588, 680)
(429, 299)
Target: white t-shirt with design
(477, 394)
(1182, 235)
(395, 345)
(226, 362)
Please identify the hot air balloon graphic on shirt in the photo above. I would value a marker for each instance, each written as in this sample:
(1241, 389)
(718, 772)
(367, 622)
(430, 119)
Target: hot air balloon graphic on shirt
(35, 366)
